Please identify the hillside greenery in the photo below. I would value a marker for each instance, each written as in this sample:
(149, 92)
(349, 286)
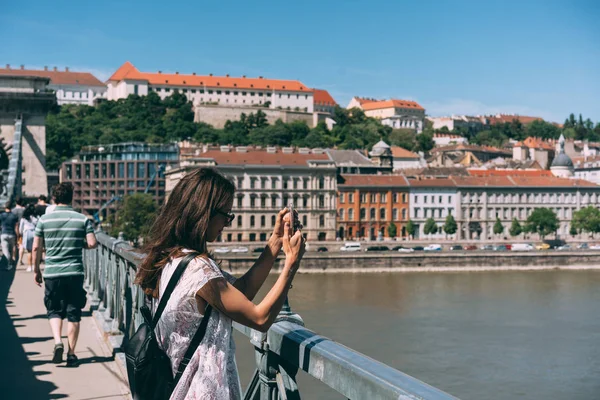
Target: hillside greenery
(150, 119)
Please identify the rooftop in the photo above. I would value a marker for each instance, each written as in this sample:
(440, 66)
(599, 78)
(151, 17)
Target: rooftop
(56, 77)
(373, 180)
(243, 155)
(129, 72)
(510, 172)
(393, 103)
(399, 152)
(503, 118)
(535, 143)
(349, 158)
(470, 147)
(323, 97)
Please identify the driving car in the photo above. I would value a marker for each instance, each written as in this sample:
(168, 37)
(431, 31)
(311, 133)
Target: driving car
(240, 249)
(433, 247)
(403, 249)
(377, 248)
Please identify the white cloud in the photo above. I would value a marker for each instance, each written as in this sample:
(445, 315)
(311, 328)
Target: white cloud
(472, 107)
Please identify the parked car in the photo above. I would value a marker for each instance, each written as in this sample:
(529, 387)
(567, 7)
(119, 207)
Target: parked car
(240, 249)
(403, 249)
(565, 247)
(351, 246)
(322, 249)
(542, 246)
(487, 247)
(377, 248)
(501, 247)
(221, 250)
(470, 247)
(456, 247)
(433, 247)
(418, 248)
(508, 246)
(583, 246)
(595, 247)
(522, 247)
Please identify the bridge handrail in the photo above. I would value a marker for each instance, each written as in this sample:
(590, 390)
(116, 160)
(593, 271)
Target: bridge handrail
(287, 347)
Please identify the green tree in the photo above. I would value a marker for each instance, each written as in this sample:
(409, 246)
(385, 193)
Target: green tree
(587, 220)
(573, 231)
(542, 221)
(424, 142)
(498, 227)
(392, 230)
(450, 226)
(430, 227)
(515, 228)
(135, 217)
(404, 138)
(410, 228)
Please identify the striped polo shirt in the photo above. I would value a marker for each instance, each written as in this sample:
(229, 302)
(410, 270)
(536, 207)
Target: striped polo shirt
(64, 232)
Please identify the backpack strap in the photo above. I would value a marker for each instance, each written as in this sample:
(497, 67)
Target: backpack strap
(171, 286)
(195, 342)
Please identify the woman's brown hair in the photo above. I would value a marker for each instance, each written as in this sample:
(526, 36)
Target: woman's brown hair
(182, 223)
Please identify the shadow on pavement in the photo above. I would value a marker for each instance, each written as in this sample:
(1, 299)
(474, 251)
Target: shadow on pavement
(19, 381)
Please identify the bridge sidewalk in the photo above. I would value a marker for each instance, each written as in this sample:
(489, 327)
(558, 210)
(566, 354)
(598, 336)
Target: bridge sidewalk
(26, 345)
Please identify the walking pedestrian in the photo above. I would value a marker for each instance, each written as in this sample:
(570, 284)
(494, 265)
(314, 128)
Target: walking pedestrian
(27, 231)
(18, 210)
(64, 233)
(40, 207)
(8, 239)
(198, 209)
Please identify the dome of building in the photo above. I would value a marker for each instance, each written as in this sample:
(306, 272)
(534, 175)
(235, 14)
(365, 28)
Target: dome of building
(562, 160)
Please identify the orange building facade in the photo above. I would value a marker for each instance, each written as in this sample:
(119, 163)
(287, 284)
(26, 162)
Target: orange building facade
(368, 205)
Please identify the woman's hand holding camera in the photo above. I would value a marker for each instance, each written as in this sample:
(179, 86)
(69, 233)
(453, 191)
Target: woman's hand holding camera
(294, 245)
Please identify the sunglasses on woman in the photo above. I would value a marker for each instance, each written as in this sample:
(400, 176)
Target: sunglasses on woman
(229, 215)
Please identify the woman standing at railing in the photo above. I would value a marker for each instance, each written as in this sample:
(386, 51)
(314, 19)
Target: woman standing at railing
(198, 209)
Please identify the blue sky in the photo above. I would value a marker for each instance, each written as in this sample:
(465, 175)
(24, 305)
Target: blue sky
(538, 58)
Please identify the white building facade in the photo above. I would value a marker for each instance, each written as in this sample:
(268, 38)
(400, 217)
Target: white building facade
(267, 181)
(70, 87)
(213, 90)
(432, 198)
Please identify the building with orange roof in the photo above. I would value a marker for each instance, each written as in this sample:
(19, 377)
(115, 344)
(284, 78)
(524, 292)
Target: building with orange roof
(324, 102)
(457, 121)
(467, 155)
(369, 204)
(508, 118)
(267, 180)
(434, 199)
(405, 159)
(399, 114)
(532, 148)
(216, 90)
(70, 87)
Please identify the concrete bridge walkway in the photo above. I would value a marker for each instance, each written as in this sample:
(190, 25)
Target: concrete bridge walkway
(26, 345)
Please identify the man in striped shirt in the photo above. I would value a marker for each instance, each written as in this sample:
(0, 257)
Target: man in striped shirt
(64, 233)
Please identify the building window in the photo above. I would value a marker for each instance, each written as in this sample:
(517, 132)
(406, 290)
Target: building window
(240, 181)
(440, 200)
(262, 221)
(263, 202)
(295, 184)
(273, 220)
(252, 201)
(305, 202)
(382, 214)
(141, 170)
(395, 214)
(304, 221)
(395, 197)
(252, 180)
(449, 199)
(341, 198)
(363, 198)
(252, 221)
(240, 200)
(321, 183)
(350, 214)
(373, 197)
(350, 198)
(321, 221)
(425, 199)
(285, 183)
(263, 183)
(363, 213)
(321, 201)
(239, 221)
(130, 170)
(305, 184)
(403, 213)
(341, 214)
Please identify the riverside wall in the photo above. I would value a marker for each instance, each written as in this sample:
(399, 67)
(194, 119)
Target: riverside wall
(423, 261)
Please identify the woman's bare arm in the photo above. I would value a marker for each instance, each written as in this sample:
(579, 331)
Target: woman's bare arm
(251, 282)
(233, 303)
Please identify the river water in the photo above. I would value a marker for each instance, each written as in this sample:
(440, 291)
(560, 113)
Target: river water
(479, 335)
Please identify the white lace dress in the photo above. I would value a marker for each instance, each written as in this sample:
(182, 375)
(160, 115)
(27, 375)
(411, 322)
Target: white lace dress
(212, 372)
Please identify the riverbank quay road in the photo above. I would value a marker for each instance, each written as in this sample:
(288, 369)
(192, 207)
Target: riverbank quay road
(26, 347)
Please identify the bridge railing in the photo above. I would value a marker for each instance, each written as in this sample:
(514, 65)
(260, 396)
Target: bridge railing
(280, 353)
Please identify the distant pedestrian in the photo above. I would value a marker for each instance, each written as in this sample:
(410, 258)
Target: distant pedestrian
(18, 210)
(27, 231)
(10, 230)
(40, 207)
(65, 233)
